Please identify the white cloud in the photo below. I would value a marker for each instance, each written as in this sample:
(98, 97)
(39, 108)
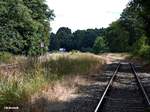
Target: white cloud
(83, 14)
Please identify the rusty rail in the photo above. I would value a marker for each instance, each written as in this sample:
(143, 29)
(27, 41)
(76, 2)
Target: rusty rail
(140, 85)
(107, 88)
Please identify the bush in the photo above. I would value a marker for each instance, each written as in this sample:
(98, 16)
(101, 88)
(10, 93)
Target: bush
(100, 45)
(6, 57)
(145, 52)
(141, 48)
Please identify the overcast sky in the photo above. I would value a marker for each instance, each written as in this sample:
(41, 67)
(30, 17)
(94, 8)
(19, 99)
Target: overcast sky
(84, 14)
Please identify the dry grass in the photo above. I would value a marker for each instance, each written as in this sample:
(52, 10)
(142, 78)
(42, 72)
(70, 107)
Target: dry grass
(112, 57)
(54, 78)
(8, 58)
(60, 91)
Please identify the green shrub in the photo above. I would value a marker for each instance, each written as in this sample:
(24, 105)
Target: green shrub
(100, 45)
(6, 57)
(145, 52)
(141, 48)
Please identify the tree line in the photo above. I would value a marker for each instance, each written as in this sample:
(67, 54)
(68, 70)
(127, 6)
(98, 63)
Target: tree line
(82, 40)
(25, 24)
(130, 33)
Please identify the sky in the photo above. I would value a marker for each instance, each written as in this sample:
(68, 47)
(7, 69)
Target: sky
(85, 14)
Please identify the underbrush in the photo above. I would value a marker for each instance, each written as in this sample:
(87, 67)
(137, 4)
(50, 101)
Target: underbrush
(17, 90)
(142, 49)
(73, 64)
(35, 75)
(6, 57)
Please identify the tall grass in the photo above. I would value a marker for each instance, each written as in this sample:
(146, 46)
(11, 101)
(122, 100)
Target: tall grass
(72, 64)
(8, 58)
(12, 92)
(17, 90)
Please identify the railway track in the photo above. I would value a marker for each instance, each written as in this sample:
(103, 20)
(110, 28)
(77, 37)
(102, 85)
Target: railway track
(124, 92)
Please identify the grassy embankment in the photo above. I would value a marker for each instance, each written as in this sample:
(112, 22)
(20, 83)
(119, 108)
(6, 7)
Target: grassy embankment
(35, 75)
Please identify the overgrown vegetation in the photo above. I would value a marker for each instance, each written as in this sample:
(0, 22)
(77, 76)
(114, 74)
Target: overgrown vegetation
(6, 57)
(72, 64)
(100, 45)
(141, 48)
(18, 89)
(24, 26)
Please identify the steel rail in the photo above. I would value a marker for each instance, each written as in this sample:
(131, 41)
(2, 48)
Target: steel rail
(107, 88)
(140, 85)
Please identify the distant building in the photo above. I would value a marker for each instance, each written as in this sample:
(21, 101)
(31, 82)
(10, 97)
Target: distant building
(62, 49)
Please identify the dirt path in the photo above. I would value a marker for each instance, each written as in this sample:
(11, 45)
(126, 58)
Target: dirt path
(114, 57)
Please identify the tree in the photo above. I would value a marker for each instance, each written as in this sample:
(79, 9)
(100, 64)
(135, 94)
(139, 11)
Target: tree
(82, 40)
(136, 15)
(132, 24)
(117, 37)
(24, 25)
(143, 8)
(65, 38)
(100, 45)
(78, 39)
(89, 38)
(85, 39)
(53, 42)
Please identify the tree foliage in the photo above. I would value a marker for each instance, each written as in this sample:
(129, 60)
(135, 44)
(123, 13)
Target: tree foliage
(117, 37)
(65, 38)
(142, 44)
(143, 8)
(132, 23)
(142, 48)
(82, 40)
(24, 25)
(100, 45)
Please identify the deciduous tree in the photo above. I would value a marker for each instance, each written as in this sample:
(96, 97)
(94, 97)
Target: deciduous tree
(24, 24)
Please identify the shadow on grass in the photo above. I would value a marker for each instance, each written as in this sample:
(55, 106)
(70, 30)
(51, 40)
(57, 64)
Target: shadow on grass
(89, 95)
